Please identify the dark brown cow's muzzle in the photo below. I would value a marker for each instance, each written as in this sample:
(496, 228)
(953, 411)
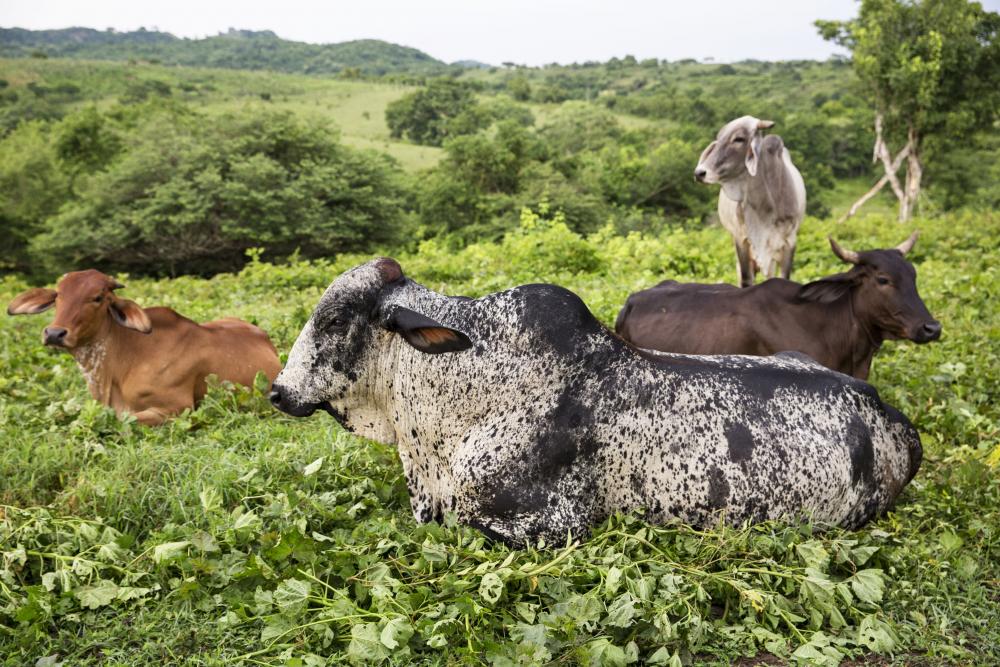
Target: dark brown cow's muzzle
(927, 332)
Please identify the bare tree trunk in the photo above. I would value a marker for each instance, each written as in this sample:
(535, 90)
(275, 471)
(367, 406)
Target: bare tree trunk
(914, 173)
(868, 195)
(891, 165)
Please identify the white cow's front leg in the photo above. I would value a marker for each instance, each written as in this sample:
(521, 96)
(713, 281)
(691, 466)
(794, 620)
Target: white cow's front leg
(429, 487)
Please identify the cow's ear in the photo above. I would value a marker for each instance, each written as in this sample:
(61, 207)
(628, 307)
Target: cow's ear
(708, 151)
(425, 334)
(35, 300)
(130, 315)
(753, 155)
(829, 289)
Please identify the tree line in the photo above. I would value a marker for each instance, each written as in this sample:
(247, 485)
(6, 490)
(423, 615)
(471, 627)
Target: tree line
(151, 184)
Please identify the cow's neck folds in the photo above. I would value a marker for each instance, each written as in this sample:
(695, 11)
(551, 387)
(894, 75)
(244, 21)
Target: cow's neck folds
(365, 410)
(90, 358)
(736, 188)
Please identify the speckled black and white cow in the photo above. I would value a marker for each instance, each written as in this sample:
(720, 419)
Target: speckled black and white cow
(527, 417)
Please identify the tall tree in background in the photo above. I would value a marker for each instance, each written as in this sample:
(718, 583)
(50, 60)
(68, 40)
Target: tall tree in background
(931, 67)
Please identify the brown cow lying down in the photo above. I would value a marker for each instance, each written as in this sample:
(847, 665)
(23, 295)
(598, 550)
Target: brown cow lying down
(840, 321)
(151, 362)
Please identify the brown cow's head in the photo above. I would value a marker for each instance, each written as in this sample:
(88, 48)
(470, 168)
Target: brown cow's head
(884, 288)
(85, 304)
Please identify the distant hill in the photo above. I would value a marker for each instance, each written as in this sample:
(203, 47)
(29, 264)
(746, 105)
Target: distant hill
(472, 64)
(235, 49)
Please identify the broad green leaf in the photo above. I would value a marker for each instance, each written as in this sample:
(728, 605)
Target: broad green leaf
(168, 550)
(210, 498)
(366, 644)
(204, 542)
(292, 594)
(621, 611)
(313, 467)
(861, 555)
(602, 653)
(277, 626)
(491, 587)
(612, 581)
(875, 634)
(661, 656)
(868, 585)
(97, 595)
(395, 633)
(813, 554)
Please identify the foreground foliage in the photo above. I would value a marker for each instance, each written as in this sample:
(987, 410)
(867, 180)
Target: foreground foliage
(235, 535)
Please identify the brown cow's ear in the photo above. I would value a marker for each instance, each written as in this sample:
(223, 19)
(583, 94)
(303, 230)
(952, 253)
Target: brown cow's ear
(129, 314)
(425, 334)
(829, 289)
(35, 300)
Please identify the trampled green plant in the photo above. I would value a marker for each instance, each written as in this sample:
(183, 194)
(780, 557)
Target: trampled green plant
(235, 535)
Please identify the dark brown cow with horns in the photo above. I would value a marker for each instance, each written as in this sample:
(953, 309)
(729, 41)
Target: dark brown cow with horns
(151, 362)
(840, 321)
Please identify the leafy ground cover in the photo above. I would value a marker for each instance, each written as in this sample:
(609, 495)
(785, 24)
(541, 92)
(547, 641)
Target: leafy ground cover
(235, 535)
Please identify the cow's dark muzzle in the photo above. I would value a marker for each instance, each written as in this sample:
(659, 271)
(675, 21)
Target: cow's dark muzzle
(927, 332)
(281, 399)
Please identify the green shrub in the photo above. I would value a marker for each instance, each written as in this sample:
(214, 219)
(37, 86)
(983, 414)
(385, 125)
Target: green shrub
(191, 194)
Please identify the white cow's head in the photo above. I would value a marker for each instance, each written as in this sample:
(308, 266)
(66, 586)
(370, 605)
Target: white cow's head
(734, 152)
(337, 351)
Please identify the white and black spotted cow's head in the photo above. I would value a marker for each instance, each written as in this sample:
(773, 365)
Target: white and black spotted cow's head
(339, 357)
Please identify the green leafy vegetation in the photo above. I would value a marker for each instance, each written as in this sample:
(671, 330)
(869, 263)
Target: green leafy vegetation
(88, 141)
(235, 535)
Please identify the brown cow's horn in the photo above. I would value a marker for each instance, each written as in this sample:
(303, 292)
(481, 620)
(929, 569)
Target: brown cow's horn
(116, 285)
(907, 245)
(847, 255)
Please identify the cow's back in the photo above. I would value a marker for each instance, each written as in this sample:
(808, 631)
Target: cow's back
(229, 348)
(688, 318)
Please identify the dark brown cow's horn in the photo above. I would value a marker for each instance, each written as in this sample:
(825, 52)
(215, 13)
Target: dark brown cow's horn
(847, 255)
(907, 245)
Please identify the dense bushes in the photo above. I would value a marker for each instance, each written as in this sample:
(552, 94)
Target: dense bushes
(167, 190)
(150, 185)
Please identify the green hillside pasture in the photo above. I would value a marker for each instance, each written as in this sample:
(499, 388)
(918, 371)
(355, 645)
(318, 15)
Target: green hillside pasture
(238, 536)
(357, 108)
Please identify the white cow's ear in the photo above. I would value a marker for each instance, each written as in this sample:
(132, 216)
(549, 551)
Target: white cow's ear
(425, 334)
(708, 151)
(752, 155)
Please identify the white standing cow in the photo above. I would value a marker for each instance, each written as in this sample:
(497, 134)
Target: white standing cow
(763, 198)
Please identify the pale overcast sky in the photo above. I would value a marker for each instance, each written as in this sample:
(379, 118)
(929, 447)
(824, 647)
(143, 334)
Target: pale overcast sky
(532, 32)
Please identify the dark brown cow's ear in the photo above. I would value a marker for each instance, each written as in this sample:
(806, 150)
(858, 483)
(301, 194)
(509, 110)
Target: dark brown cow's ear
(425, 334)
(829, 289)
(129, 314)
(35, 300)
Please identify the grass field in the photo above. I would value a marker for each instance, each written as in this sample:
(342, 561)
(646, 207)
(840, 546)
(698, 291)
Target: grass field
(235, 535)
(356, 108)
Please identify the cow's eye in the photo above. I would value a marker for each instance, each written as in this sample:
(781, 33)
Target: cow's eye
(99, 298)
(337, 323)
(882, 280)
(738, 140)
